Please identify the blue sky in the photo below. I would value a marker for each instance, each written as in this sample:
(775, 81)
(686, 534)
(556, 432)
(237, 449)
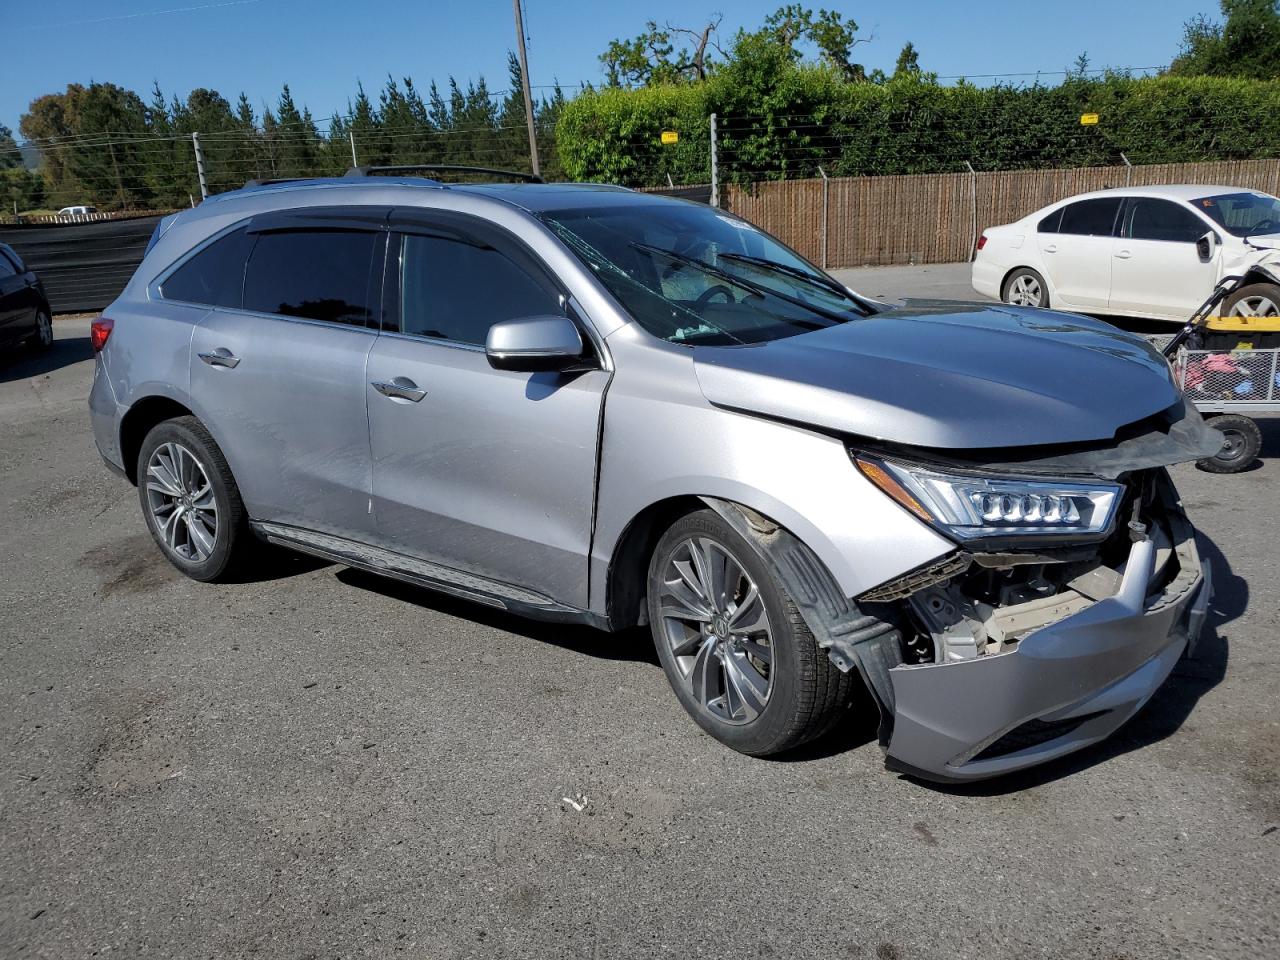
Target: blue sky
(322, 47)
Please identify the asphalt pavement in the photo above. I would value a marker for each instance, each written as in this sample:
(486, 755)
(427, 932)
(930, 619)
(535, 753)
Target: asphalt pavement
(319, 763)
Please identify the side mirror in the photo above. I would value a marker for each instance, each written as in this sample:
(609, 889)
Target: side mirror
(535, 344)
(1205, 245)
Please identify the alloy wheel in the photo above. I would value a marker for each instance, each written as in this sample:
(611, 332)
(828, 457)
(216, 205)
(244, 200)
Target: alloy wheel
(182, 503)
(1025, 291)
(717, 629)
(1255, 307)
(44, 329)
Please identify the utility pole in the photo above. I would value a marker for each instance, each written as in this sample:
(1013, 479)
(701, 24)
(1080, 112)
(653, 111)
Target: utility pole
(204, 181)
(352, 135)
(715, 165)
(524, 82)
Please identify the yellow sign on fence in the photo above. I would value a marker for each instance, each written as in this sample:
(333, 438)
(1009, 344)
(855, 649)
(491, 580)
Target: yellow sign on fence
(670, 136)
(1088, 119)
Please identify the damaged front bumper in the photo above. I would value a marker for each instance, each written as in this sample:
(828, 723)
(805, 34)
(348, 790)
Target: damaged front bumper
(1062, 686)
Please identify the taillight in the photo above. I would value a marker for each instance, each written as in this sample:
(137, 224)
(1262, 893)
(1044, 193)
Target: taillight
(99, 330)
(982, 241)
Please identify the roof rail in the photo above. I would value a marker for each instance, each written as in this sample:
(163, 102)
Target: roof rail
(445, 168)
(268, 181)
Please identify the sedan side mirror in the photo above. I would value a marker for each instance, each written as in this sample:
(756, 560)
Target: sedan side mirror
(535, 344)
(1205, 245)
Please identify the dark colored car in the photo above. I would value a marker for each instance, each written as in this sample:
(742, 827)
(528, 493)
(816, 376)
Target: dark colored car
(24, 308)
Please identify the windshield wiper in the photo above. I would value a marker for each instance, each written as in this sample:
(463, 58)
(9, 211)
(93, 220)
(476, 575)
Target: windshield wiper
(759, 289)
(825, 283)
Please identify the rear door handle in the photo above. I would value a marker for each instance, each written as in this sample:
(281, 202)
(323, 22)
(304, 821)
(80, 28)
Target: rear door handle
(399, 388)
(1123, 255)
(1051, 248)
(222, 357)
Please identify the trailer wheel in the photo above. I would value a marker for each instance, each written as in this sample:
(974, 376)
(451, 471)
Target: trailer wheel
(1241, 444)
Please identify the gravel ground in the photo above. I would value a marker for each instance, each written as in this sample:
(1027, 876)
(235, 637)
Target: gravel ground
(323, 764)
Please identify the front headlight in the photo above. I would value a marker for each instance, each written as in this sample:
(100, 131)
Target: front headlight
(970, 507)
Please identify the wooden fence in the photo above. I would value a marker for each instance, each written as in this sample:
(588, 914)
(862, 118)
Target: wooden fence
(934, 218)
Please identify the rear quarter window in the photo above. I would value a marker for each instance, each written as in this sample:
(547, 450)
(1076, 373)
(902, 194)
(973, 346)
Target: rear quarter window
(214, 276)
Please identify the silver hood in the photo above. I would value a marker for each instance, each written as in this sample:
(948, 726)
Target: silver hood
(949, 376)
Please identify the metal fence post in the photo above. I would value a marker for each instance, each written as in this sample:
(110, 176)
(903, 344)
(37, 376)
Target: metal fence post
(825, 188)
(715, 171)
(204, 181)
(973, 210)
(1128, 170)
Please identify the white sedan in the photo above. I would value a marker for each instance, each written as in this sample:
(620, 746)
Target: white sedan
(1154, 252)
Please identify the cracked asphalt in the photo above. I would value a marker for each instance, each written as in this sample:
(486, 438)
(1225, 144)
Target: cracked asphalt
(318, 763)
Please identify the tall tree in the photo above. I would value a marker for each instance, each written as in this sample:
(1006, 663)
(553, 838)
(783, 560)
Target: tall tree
(10, 155)
(1246, 43)
(652, 58)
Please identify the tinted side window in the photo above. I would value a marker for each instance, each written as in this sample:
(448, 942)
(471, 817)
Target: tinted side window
(316, 274)
(214, 276)
(1150, 219)
(454, 290)
(1050, 223)
(1090, 218)
(7, 269)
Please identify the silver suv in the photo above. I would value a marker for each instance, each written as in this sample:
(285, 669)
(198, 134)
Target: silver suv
(589, 405)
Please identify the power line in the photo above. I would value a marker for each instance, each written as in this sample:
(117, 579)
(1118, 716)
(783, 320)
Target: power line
(133, 16)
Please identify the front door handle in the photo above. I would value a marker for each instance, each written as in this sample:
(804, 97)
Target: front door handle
(400, 388)
(222, 357)
(1123, 255)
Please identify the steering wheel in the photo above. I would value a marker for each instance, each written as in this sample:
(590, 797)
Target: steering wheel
(1262, 225)
(705, 297)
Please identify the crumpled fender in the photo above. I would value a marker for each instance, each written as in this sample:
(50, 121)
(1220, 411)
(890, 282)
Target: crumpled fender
(852, 637)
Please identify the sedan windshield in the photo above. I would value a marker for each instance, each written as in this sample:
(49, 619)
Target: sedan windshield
(692, 274)
(1242, 214)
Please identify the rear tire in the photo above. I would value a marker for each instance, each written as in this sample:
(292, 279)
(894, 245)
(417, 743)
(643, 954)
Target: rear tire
(43, 337)
(191, 502)
(740, 659)
(1025, 288)
(1241, 444)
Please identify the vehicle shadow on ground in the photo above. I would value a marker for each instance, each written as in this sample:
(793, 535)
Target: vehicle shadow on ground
(1162, 716)
(634, 645)
(272, 562)
(1165, 712)
(22, 364)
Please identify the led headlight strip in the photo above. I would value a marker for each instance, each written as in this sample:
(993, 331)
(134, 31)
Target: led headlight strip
(971, 507)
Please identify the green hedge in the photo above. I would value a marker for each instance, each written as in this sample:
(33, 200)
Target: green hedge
(787, 123)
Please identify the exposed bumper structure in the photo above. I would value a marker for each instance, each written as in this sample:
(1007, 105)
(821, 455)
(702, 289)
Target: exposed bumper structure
(1066, 685)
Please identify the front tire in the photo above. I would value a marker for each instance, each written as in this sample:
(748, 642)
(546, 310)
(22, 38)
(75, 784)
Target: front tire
(1241, 444)
(190, 500)
(733, 644)
(1253, 300)
(1025, 288)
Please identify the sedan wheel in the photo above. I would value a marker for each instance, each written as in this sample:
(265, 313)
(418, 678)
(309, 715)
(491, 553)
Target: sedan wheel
(715, 624)
(1025, 291)
(44, 331)
(1255, 306)
(1025, 287)
(182, 504)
